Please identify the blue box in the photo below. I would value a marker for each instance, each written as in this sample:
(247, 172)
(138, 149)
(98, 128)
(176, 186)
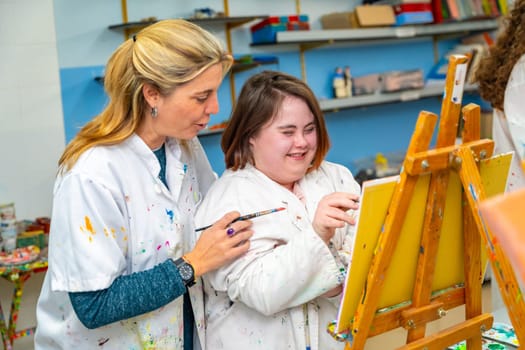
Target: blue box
(268, 33)
(416, 17)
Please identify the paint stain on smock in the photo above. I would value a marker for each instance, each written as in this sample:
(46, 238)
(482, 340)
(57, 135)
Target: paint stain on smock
(89, 228)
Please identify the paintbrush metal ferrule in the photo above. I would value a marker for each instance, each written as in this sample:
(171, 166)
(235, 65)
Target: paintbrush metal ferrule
(248, 216)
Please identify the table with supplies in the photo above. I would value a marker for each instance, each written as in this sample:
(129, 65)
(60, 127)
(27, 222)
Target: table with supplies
(17, 267)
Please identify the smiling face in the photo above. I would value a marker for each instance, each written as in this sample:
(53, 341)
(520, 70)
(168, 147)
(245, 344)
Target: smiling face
(184, 112)
(284, 148)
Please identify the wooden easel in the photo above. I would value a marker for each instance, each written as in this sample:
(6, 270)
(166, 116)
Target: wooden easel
(425, 307)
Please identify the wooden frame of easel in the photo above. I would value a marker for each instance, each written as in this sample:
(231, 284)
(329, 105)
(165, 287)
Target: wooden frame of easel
(424, 307)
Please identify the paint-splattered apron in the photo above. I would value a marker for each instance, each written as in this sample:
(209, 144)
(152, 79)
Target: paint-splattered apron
(113, 216)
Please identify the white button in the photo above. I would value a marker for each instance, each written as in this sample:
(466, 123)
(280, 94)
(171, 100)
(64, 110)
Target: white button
(158, 189)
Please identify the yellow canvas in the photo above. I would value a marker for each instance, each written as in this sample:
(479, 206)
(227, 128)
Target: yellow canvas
(400, 279)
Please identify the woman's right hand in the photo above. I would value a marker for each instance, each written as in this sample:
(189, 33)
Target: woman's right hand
(215, 247)
(331, 213)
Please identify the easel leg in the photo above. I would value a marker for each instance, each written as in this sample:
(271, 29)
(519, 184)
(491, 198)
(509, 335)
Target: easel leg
(473, 269)
(363, 318)
(429, 247)
(473, 283)
(501, 267)
(448, 126)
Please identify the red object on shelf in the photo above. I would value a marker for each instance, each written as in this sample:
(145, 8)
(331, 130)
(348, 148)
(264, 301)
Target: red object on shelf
(298, 26)
(266, 30)
(45, 222)
(264, 22)
(279, 20)
(412, 7)
(41, 223)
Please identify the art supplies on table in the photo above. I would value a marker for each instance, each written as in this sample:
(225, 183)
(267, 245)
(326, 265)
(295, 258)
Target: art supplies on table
(500, 337)
(20, 256)
(502, 333)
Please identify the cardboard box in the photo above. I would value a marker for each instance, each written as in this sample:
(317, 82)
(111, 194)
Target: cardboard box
(402, 80)
(375, 15)
(338, 20)
(367, 84)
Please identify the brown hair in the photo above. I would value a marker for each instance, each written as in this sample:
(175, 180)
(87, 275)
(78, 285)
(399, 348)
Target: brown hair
(166, 54)
(495, 68)
(259, 101)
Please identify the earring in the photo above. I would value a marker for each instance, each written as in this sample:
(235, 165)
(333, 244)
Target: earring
(154, 112)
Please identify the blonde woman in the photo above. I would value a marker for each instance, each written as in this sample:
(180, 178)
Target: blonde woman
(121, 273)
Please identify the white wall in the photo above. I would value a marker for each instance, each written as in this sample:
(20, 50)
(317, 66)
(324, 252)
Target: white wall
(31, 126)
(84, 39)
(31, 121)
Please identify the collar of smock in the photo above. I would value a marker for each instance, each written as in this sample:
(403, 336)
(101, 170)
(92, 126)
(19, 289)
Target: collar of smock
(140, 148)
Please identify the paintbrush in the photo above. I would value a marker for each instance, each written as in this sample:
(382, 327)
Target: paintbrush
(248, 217)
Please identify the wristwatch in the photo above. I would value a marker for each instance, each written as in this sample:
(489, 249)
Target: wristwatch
(186, 271)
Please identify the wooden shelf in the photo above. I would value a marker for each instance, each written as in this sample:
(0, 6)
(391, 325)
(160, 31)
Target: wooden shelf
(237, 67)
(335, 105)
(436, 90)
(232, 21)
(240, 67)
(330, 36)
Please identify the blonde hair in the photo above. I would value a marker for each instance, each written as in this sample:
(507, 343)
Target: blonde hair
(165, 54)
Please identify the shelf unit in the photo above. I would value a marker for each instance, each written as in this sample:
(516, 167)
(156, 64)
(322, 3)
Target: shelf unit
(434, 90)
(236, 67)
(335, 105)
(311, 39)
(229, 22)
(314, 38)
(307, 40)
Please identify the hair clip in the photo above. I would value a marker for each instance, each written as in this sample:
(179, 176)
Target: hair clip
(134, 38)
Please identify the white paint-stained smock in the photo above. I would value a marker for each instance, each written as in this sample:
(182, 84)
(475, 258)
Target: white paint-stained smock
(264, 299)
(113, 216)
(508, 133)
(509, 128)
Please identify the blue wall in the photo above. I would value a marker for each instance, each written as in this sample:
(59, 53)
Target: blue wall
(82, 97)
(355, 133)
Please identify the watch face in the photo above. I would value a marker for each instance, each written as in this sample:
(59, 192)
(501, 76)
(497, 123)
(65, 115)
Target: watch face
(186, 272)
